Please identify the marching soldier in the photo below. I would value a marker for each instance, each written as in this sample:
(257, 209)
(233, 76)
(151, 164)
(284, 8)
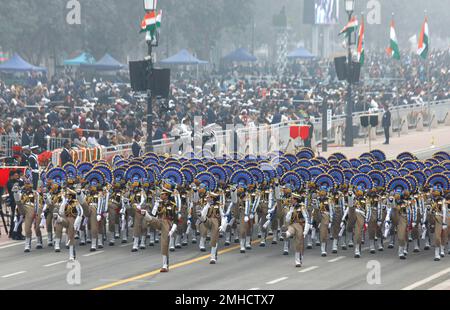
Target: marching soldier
(360, 209)
(325, 208)
(163, 217)
(115, 206)
(373, 217)
(29, 204)
(67, 214)
(438, 210)
(298, 226)
(138, 205)
(95, 205)
(210, 219)
(338, 212)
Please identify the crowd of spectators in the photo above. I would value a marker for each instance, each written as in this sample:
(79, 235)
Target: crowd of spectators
(100, 112)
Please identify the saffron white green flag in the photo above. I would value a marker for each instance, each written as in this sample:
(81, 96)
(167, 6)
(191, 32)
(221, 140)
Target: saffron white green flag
(350, 27)
(393, 49)
(424, 40)
(361, 42)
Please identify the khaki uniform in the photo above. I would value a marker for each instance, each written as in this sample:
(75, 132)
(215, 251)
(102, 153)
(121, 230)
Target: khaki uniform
(212, 224)
(30, 207)
(165, 217)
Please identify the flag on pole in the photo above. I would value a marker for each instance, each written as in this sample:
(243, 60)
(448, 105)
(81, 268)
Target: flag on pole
(361, 42)
(149, 22)
(350, 27)
(393, 49)
(424, 40)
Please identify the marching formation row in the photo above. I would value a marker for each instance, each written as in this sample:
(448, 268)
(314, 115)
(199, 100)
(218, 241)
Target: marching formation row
(297, 198)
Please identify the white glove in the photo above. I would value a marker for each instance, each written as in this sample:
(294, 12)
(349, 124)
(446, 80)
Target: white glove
(246, 219)
(329, 226)
(414, 225)
(379, 223)
(252, 216)
(444, 226)
(99, 218)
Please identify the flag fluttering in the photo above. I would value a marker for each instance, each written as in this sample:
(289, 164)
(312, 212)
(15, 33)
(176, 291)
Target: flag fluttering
(151, 22)
(351, 26)
(361, 51)
(424, 40)
(393, 49)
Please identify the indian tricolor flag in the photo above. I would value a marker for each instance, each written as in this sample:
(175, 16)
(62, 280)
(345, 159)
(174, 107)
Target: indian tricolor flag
(424, 40)
(350, 27)
(151, 21)
(361, 42)
(393, 49)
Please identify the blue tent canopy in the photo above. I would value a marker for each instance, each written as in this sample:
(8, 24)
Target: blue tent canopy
(17, 64)
(240, 55)
(84, 58)
(106, 63)
(183, 57)
(300, 53)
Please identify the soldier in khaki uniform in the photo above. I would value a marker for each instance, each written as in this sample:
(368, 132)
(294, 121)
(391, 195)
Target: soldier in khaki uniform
(138, 203)
(360, 209)
(298, 226)
(373, 217)
(338, 212)
(325, 210)
(438, 210)
(163, 217)
(29, 204)
(210, 220)
(96, 207)
(114, 208)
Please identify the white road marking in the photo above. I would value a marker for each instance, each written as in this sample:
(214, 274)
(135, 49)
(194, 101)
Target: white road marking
(13, 274)
(11, 244)
(336, 259)
(442, 286)
(254, 289)
(308, 269)
(57, 263)
(426, 280)
(124, 245)
(93, 253)
(277, 280)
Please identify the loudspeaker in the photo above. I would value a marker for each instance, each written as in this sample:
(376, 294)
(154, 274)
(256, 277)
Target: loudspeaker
(340, 64)
(364, 121)
(374, 120)
(158, 81)
(355, 72)
(138, 75)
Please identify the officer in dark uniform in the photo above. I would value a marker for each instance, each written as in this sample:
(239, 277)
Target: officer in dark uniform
(386, 123)
(65, 154)
(34, 165)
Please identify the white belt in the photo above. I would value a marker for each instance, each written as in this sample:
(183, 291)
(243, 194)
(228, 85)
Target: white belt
(35, 171)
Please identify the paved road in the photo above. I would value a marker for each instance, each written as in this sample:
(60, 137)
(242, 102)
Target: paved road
(261, 268)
